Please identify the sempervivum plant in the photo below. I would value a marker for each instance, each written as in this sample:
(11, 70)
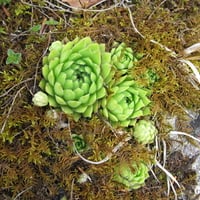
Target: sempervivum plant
(74, 76)
(79, 143)
(125, 103)
(145, 131)
(132, 175)
(123, 58)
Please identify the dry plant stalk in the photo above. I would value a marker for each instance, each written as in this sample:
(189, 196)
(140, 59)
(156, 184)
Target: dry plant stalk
(81, 3)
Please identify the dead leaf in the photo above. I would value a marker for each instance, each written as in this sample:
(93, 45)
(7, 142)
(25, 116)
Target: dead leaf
(81, 3)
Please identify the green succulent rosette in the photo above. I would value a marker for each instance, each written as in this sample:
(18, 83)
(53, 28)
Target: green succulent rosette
(145, 131)
(125, 103)
(132, 176)
(123, 57)
(74, 75)
(79, 143)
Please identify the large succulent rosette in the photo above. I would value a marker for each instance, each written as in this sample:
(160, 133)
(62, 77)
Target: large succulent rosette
(125, 103)
(74, 76)
(123, 58)
(131, 175)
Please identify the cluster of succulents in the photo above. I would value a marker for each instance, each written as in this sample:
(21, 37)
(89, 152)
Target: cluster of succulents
(79, 78)
(133, 175)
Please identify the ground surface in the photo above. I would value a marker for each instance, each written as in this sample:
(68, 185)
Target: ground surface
(36, 156)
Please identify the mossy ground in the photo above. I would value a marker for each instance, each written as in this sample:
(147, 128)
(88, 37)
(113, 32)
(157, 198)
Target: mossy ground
(36, 156)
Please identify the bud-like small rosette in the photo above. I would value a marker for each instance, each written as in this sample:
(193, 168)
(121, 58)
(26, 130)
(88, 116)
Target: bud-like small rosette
(79, 143)
(145, 131)
(132, 175)
(123, 58)
(74, 76)
(125, 103)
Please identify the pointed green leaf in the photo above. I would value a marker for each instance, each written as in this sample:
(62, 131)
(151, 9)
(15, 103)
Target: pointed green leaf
(68, 84)
(85, 87)
(99, 82)
(66, 110)
(101, 93)
(92, 88)
(60, 100)
(112, 104)
(57, 69)
(92, 99)
(78, 92)
(61, 78)
(42, 84)
(81, 109)
(139, 105)
(105, 112)
(53, 54)
(52, 101)
(58, 89)
(45, 71)
(81, 44)
(84, 99)
(51, 78)
(93, 52)
(65, 54)
(53, 63)
(93, 77)
(67, 65)
(75, 56)
(137, 114)
(69, 95)
(88, 112)
(73, 104)
(49, 89)
(112, 117)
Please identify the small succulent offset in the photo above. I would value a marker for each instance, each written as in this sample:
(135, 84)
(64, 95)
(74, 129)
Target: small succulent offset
(132, 175)
(79, 143)
(123, 58)
(125, 103)
(40, 99)
(145, 131)
(74, 75)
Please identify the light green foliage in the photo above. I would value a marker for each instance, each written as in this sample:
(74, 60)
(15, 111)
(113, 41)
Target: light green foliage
(13, 58)
(126, 102)
(4, 2)
(131, 175)
(74, 76)
(145, 131)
